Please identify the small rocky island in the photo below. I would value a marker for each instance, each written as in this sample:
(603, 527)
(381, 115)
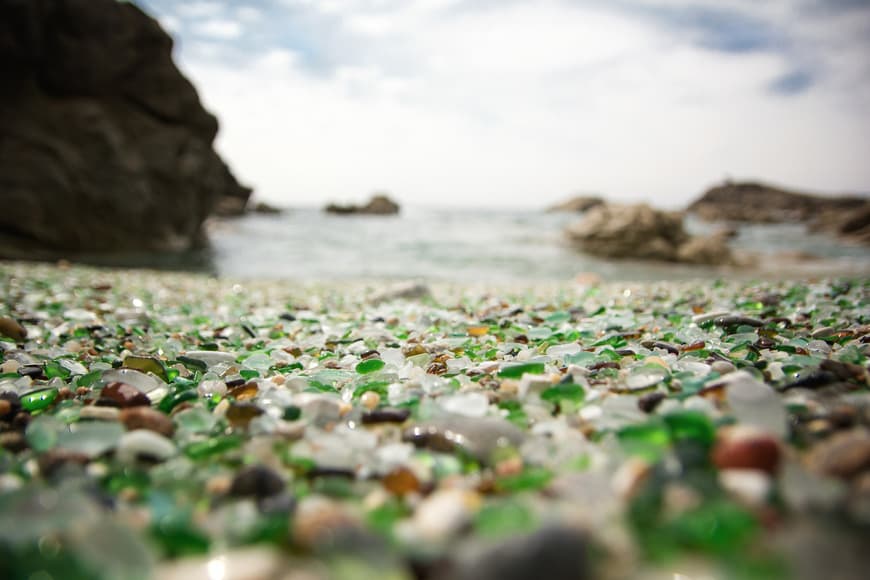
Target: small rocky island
(379, 204)
(641, 232)
(847, 217)
(105, 145)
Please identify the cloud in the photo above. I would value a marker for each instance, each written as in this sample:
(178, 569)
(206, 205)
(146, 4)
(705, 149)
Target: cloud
(199, 9)
(721, 29)
(520, 103)
(170, 24)
(249, 14)
(218, 28)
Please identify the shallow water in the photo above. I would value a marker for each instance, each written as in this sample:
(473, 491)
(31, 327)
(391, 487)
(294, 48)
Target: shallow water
(467, 246)
(473, 245)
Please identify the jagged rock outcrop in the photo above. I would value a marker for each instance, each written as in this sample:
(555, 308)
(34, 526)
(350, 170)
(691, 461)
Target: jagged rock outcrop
(845, 216)
(104, 145)
(378, 205)
(578, 204)
(641, 232)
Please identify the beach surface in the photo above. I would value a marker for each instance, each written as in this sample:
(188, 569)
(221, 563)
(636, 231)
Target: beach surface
(170, 425)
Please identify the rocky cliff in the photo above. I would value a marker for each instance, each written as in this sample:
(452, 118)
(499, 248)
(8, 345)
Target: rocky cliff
(104, 145)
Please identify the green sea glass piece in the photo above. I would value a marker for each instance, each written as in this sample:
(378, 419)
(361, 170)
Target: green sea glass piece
(370, 366)
(516, 371)
(146, 364)
(209, 447)
(38, 400)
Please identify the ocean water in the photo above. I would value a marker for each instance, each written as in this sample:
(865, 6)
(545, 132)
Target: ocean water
(485, 245)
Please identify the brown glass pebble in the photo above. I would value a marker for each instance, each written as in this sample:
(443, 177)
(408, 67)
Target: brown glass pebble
(147, 418)
(747, 451)
(244, 392)
(401, 481)
(11, 405)
(386, 415)
(697, 345)
(56, 459)
(13, 441)
(650, 401)
(118, 394)
(241, 414)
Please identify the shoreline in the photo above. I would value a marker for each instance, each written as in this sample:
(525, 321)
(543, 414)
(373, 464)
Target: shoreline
(756, 268)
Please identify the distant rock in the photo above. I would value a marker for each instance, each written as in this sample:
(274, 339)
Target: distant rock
(265, 208)
(578, 204)
(845, 216)
(851, 225)
(378, 205)
(641, 232)
(105, 145)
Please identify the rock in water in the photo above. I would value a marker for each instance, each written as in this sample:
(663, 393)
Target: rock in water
(378, 205)
(706, 249)
(749, 201)
(638, 231)
(105, 145)
(641, 232)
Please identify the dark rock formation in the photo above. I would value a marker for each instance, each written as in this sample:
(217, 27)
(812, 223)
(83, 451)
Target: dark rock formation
(231, 207)
(852, 225)
(378, 205)
(641, 232)
(265, 208)
(578, 204)
(104, 145)
(754, 202)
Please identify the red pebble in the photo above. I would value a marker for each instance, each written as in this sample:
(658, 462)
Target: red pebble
(747, 450)
(122, 395)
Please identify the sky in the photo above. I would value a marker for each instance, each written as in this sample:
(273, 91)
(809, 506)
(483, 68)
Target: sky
(522, 103)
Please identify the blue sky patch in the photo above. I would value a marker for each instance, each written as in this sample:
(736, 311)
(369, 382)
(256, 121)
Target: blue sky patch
(792, 83)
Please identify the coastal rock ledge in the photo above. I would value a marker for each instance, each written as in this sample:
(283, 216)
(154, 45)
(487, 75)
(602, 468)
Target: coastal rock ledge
(847, 217)
(641, 232)
(104, 144)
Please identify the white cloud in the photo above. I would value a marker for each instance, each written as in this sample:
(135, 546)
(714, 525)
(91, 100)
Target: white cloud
(199, 9)
(170, 23)
(218, 28)
(370, 24)
(249, 14)
(277, 61)
(523, 103)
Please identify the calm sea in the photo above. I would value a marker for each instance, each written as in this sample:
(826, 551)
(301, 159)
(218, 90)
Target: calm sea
(477, 246)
